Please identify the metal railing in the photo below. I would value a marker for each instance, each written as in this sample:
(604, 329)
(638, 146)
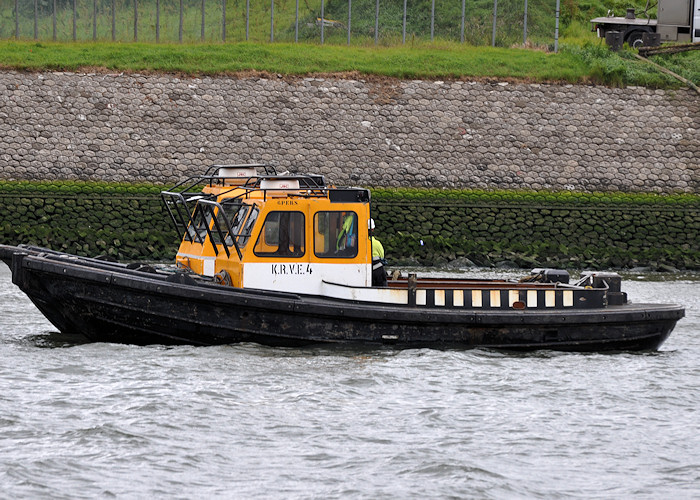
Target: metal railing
(360, 22)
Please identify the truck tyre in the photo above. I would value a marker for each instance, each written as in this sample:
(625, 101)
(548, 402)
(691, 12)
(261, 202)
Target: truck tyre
(634, 39)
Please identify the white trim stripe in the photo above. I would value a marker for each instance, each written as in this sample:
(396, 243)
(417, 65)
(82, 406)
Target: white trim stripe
(492, 298)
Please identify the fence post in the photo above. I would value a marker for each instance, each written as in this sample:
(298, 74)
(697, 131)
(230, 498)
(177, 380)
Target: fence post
(403, 27)
(376, 24)
(247, 18)
(202, 34)
(94, 20)
(323, 18)
(114, 27)
(493, 31)
(157, 21)
(432, 20)
(556, 30)
(464, 11)
(272, 20)
(17, 19)
(349, 18)
(53, 21)
(223, 20)
(179, 36)
(525, 24)
(74, 22)
(136, 20)
(36, 21)
(296, 22)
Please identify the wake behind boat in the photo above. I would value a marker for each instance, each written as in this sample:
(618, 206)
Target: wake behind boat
(286, 260)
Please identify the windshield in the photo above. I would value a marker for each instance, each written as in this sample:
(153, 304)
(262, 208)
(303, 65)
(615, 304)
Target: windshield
(241, 219)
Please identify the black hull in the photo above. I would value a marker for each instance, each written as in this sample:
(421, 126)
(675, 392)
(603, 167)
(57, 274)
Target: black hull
(110, 303)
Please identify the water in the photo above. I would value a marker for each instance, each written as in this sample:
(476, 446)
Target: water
(81, 420)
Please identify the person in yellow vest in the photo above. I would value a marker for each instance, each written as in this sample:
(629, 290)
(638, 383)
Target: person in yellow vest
(378, 272)
(346, 243)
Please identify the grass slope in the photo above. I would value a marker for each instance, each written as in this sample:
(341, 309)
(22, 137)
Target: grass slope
(590, 63)
(582, 59)
(446, 61)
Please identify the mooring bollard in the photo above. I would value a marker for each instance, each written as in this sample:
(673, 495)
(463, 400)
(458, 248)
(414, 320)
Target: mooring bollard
(412, 285)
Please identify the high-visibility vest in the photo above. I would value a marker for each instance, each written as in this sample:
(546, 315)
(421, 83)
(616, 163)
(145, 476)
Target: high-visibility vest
(346, 237)
(377, 249)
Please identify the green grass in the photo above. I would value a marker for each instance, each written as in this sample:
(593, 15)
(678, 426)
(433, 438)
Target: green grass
(591, 62)
(686, 64)
(582, 59)
(446, 60)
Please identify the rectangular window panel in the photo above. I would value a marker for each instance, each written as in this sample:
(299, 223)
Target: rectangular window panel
(335, 234)
(282, 235)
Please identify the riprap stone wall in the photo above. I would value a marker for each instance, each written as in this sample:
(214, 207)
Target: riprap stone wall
(375, 132)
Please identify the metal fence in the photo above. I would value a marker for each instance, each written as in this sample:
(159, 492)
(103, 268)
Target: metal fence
(357, 22)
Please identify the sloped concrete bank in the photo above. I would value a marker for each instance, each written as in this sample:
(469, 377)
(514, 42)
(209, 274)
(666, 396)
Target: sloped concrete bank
(117, 127)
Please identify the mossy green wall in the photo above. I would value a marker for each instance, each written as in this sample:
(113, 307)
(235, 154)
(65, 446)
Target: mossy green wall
(125, 221)
(527, 229)
(531, 229)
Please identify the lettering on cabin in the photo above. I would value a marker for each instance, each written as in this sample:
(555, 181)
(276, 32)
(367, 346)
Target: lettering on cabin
(287, 202)
(291, 269)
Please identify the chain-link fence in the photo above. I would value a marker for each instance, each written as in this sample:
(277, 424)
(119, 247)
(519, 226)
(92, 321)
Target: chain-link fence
(352, 22)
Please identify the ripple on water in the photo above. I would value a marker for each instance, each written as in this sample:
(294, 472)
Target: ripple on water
(81, 420)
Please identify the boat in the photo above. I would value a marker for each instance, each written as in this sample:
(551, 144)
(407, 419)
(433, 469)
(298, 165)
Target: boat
(286, 260)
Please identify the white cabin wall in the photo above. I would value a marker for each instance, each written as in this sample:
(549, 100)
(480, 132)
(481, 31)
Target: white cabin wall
(304, 277)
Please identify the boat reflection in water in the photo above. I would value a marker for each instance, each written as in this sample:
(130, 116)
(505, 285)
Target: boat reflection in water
(286, 260)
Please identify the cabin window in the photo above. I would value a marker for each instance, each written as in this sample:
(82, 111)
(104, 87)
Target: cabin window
(197, 230)
(247, 228)
(241, 218)
(282, 234)
(335, 234)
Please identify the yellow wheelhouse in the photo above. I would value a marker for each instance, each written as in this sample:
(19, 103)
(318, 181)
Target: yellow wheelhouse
(251, 228)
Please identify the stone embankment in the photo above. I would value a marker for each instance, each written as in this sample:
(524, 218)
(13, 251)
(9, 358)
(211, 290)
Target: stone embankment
(452, 134)
(516, 138)
(416, 226)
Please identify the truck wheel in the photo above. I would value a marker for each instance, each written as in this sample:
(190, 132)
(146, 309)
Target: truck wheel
(634, 39)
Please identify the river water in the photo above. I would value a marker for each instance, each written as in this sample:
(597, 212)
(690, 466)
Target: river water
(84, 420)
